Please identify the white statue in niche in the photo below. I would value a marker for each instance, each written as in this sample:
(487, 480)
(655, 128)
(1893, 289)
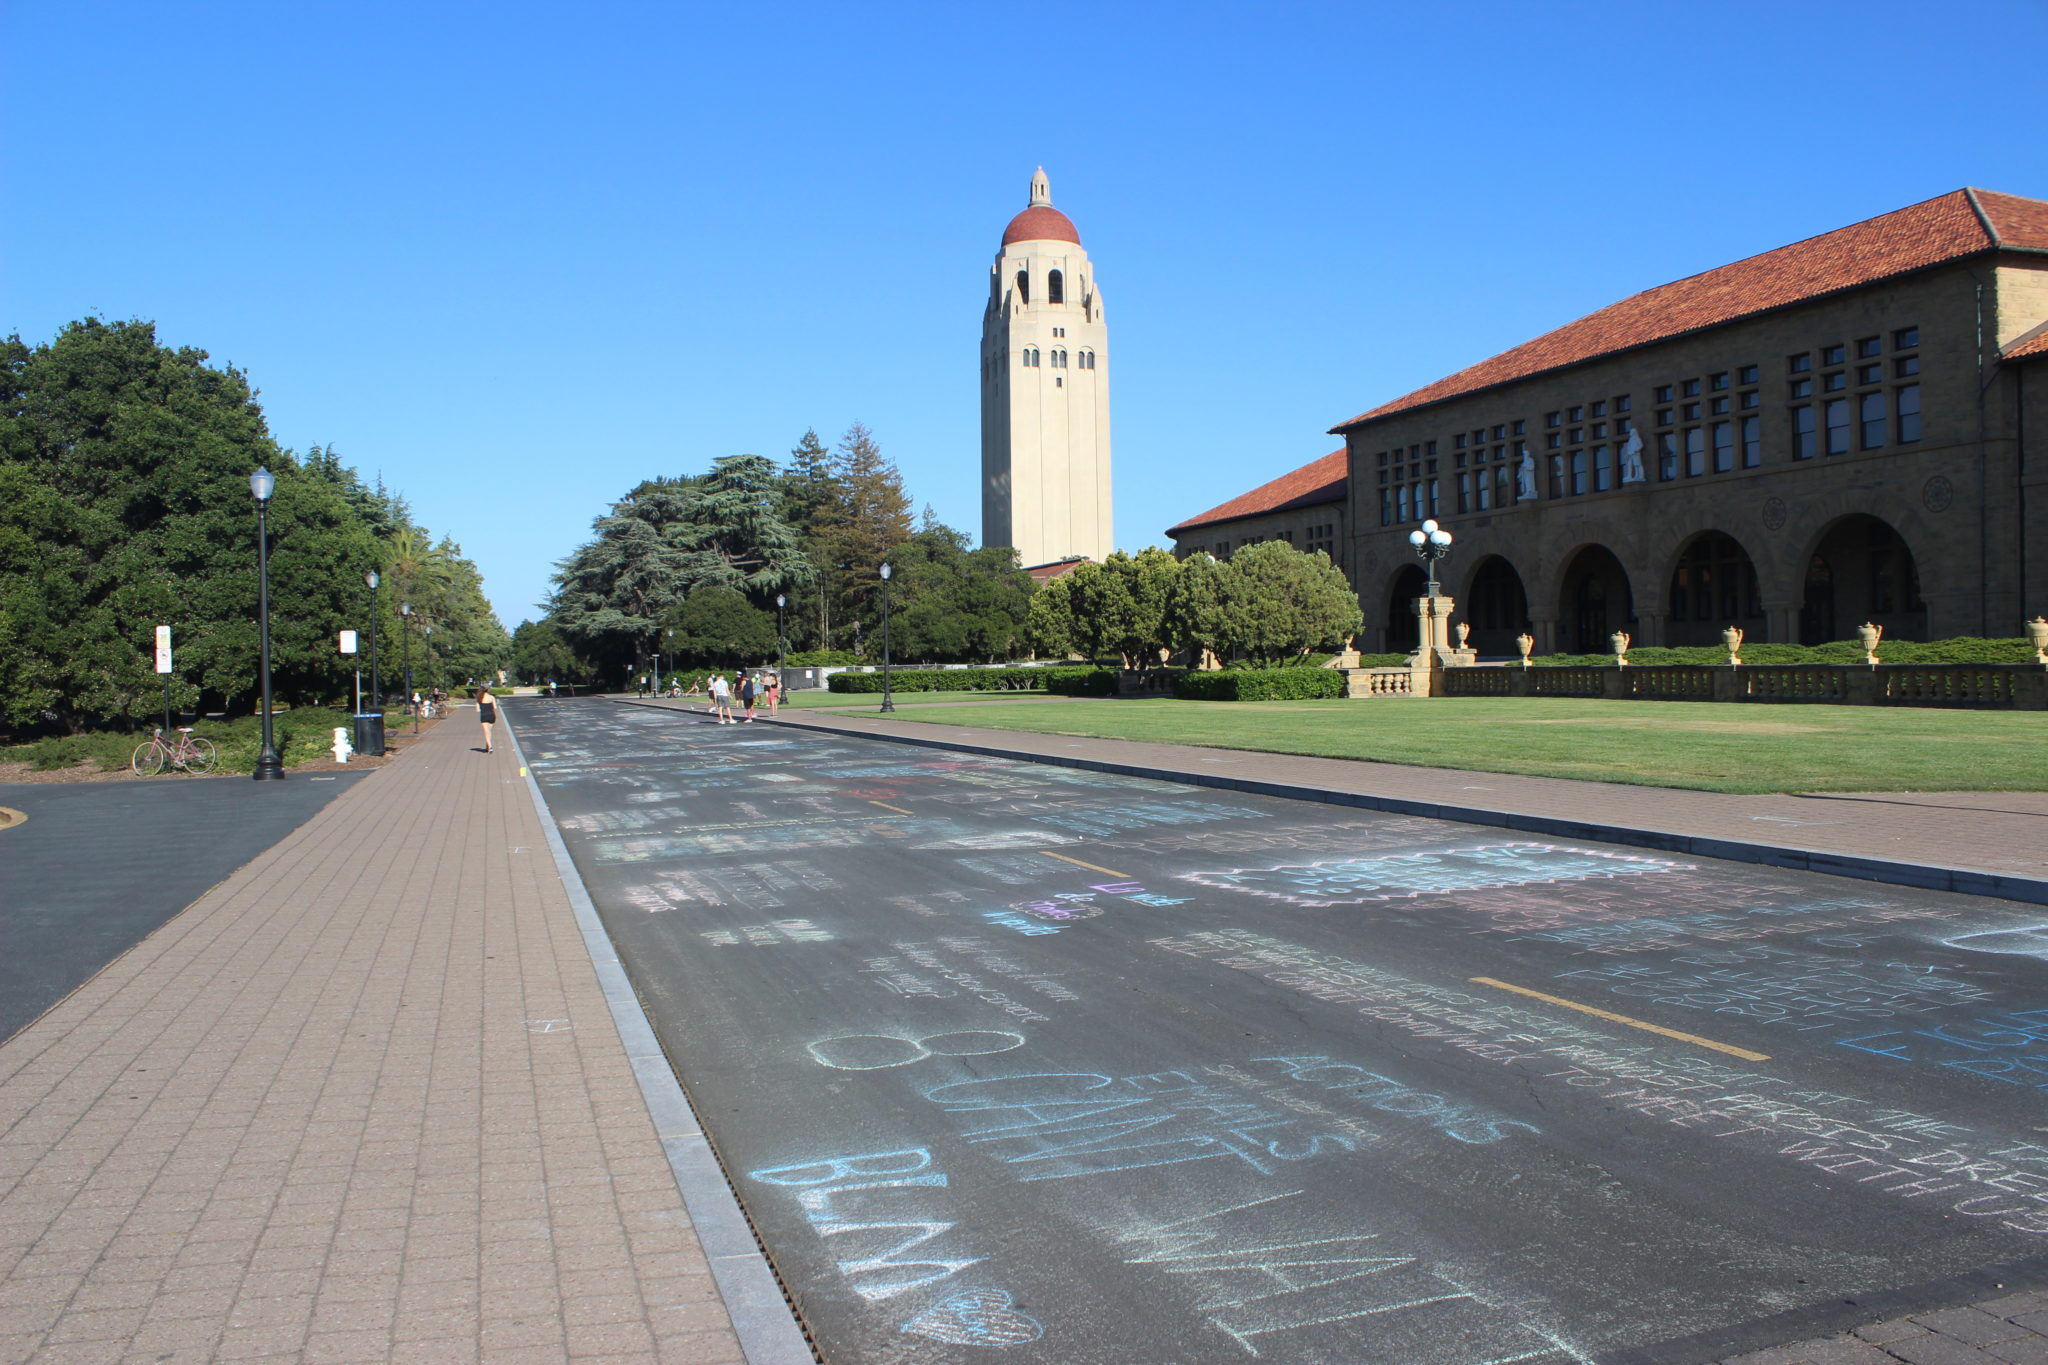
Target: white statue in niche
(1632, 459)
(1525, 478)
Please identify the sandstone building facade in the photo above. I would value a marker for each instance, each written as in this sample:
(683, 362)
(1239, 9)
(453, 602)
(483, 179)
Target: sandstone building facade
(1850, 428)
(1045, 485)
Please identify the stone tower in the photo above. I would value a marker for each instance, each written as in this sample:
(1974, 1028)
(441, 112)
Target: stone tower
(1044, 393)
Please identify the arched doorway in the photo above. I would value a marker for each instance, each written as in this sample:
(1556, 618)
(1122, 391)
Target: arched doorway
(1404, 632)
(1594, 602)
(1496, 607)
(1713, 586)
(1861, 571)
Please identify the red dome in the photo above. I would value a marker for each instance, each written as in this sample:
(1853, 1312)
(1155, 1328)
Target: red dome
(1041, 223)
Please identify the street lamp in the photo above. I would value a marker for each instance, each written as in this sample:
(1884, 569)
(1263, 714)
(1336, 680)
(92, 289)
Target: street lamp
(888, 701)
(405, 638)
(781, 637)
(269, 767)
(1432, 543)
(668, 640)
(426, 666)
(376, 682)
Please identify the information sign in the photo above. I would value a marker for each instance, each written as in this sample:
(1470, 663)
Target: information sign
(163, 649)
(348, 642)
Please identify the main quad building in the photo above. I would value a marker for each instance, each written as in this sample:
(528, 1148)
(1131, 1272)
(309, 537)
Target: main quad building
(1850, 428)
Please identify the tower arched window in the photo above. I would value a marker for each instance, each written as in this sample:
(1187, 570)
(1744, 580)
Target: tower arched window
(1087, 360)
(1031, 355)
(1055, 288)
(1023, 286)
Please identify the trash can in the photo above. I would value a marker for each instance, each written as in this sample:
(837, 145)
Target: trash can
(370, 732)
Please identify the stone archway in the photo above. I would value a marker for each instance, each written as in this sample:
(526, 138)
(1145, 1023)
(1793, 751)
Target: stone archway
(1593, 601)
(1404, 633)
(1714, 586)
(1496, 606)
(1861, 570)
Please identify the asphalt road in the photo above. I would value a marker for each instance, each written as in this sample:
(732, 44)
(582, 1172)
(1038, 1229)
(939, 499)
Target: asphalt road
(99, 865)
(1061, 1067)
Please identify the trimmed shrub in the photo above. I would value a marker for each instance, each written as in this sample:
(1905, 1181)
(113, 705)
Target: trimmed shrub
(949, 680)
(823, 658)
(1962, 649)
(1260, 684)
(1080, 682)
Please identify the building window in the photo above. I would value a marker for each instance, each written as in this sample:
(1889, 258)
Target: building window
(1557, 476)
(1750, 399)
(1599, 431)
(1724, 447)
(1505, 494)
(1718, 382)
(1872, 420)
(1055, 288)
(1485, 491)
(1908, 404)
(1667, 457)
(1464, 493)
(1867, 348)
(1023, 286)
(1553, 441)
(1386, 507)
(1553, 419)
(1800, 388)
(1521, 427)
(1575, 415)
(1690, 388)
(1031, 355)
(1429, 448)
(1833, 355)
(1802, 432)
(1623, 404)
(1458, 443)
(1752, 442)
(1663, 417)
(1718, 406)
(1664, 393)
(1837, 426)
(1799, 364)
(1746, 375)
(1695, 452)
(1834, 382)
(1223, 549)
(1603, 469)
(1905, 366)
(1578, 472)
(1600, 408)
(1905, 339)
(1689, 411)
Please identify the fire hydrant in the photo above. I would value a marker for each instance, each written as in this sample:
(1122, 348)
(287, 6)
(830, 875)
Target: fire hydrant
(342, 748)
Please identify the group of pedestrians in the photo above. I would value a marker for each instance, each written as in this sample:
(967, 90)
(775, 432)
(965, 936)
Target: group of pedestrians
(750, 690)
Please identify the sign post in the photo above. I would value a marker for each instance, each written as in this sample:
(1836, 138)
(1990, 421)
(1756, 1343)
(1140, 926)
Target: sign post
(163, 666)
(348, 646)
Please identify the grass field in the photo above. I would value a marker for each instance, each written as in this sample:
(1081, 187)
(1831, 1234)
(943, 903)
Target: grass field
(869, 701)
(1701, 745)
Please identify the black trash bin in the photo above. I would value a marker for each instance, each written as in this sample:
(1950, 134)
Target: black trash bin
(370, 733)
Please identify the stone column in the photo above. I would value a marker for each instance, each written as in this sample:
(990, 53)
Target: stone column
(1545, 631)
(1650, 627)
(1783, 624)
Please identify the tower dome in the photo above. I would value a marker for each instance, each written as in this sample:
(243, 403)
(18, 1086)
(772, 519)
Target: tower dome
(1040, 221)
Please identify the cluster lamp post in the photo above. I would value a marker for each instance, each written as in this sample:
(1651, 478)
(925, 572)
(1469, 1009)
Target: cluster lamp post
(1432, 543)
(269, 767)
(888, 701)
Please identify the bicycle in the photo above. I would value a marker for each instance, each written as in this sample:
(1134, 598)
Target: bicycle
(186, 754)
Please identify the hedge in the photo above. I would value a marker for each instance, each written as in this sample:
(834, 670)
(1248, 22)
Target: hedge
(1962, 649)
(961, 680)
(1259, 684)
(1081, 682)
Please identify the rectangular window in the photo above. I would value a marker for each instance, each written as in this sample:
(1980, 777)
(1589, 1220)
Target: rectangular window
(1434, 508)
(1834, 383)
(1557, 476)
(1905, 339)
(1500, 452)
(1578, 472)
(1833, 355)
(1500, 432)
(1872, 423)
(1521, 428)
(1575, 415)
(1690, 388)
(1663, 417)
(1576, 435)
(1802, 432)
(1909, 412)
(1552, 441)
(1600, 408)
(1750, 399)
(1464, 493)
(1717, 382)
(1401, 503)
(1623, 426)
(1752, 442)
(1386, 508)
(1505, 492)
(1664, 394)
(1695, 452)
(1667, 457)
(1867, 348)
(1485, 491)
(1837, 424)
(1383, 459)
(1553, 419)
(1603, 469)
(1623, 404)
(1430, 448)
(1718, 406)
(1724, 447)
(1599, 431)
(1689, 411)
(1799, 364)
(1906, 366)
(1383, 476)
(1459, 443)
(1461, 458)
(1800, 388)
(1746, 375)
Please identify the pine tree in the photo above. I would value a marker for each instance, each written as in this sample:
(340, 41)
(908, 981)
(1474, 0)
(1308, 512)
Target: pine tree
(870, 517)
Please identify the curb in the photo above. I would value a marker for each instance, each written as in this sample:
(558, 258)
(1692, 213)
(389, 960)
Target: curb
(1894, 872)
(762, 1316)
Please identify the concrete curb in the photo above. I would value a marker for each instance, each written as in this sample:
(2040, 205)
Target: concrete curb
(762, 1317)
(1895, 872)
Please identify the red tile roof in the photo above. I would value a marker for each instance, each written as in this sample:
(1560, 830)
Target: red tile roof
(1319, 481)
(1059, 568)
(1041, 223)
(2027, 345)
(1954, 225)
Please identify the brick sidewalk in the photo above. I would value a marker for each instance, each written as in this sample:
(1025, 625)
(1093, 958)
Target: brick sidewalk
(363, 1101)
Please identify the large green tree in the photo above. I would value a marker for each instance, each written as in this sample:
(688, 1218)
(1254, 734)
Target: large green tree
(951, 604)
(1286, 605)
(717, 625)
(1119, 606)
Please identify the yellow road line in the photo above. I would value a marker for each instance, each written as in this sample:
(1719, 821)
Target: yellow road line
(1107, 872)
(10, 817)
(886, 806)
(1644, 1025)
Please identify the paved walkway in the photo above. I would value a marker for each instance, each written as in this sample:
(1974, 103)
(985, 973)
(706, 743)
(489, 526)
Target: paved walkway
(363, 1101)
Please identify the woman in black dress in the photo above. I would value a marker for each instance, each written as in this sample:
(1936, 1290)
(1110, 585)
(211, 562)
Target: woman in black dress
(487, 712)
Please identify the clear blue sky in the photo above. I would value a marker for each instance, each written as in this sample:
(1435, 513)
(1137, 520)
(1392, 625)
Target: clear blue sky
(516, 257)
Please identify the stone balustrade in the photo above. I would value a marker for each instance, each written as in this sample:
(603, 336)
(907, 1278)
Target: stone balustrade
(2021, 687)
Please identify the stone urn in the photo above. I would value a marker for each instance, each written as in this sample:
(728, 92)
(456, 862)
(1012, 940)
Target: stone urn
(1464, 634)
(2037, 636)
(1868, 635)
(1732, 638)
(1526, 643)
(1619, 643)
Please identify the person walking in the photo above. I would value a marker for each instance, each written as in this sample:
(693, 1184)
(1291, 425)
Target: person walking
(721, 699)
(774, 693)
(486, 712)
(747, 690)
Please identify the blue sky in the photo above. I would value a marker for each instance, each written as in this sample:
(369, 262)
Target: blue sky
(514, 258)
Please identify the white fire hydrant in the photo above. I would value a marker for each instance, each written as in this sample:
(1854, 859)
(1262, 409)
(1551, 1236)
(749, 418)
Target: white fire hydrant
(342, 748)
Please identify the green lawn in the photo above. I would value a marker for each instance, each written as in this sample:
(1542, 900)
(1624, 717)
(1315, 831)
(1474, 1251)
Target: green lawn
(1727, 747)
(870, 701)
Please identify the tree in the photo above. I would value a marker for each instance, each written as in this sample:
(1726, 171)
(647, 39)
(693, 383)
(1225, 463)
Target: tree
(868, 517)
(1119, 605)
(1200, 603)
(612, 592)
(735, 531)
(1049, 622)
(809, 493)
(953, 604)
(1287, 604)
(718, 625)
(542, 653)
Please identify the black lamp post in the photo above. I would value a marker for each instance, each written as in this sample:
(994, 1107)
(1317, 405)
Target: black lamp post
(668, 640)
(376, 679)
(1432, 542)
(269, 767)
(888, 701)
(405, 638)
(426, 663)
(781, 636)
